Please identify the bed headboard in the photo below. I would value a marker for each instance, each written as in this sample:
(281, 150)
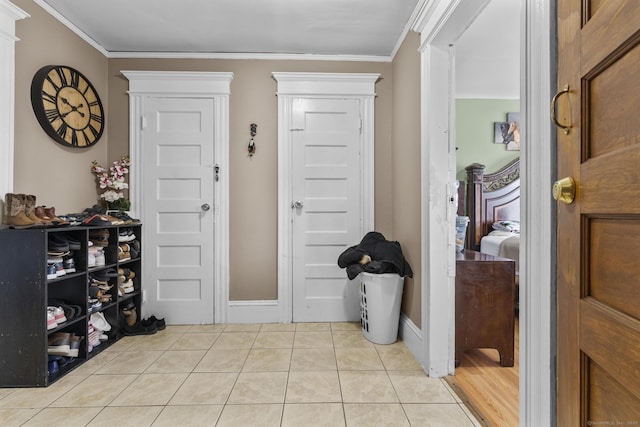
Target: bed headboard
(490, 198)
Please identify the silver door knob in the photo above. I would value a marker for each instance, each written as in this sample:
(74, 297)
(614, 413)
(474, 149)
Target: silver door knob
(297, 204)
(205, 207)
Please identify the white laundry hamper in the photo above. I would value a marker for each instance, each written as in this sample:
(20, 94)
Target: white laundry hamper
(380, 299)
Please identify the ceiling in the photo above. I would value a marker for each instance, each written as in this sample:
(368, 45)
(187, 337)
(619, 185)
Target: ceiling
(311, 27)
(487, 54)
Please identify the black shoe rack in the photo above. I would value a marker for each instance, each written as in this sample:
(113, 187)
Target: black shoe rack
(25, 293)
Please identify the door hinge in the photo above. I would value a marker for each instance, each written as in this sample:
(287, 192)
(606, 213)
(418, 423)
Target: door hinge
(216, 168)
(360, 125)
(143, 122)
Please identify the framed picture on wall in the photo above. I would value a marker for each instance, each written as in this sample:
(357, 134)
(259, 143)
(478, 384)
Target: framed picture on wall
(508, 132)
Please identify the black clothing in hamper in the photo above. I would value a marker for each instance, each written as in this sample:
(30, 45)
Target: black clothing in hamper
(386, 257)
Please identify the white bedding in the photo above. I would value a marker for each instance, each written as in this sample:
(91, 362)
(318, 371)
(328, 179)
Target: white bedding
(503, 244)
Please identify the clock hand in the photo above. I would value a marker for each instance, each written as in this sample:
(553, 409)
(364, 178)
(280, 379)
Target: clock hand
(73, 108)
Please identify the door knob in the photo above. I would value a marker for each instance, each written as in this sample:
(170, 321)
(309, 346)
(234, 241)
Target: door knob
(205, 207)
(297, 204)
(564, 190)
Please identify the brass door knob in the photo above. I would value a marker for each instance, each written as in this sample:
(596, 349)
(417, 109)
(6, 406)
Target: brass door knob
(564, 190)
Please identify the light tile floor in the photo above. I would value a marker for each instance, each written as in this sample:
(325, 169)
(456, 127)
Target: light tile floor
(289, 375)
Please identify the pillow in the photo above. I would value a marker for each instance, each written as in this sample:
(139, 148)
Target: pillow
(510, 226)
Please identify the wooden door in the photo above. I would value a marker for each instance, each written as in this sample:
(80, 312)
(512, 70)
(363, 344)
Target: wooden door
(326, 207)
(598, 310)
(178, 184)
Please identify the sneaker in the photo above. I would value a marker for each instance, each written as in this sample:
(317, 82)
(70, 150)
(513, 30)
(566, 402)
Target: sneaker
(60, 269)
(126, 235)
(51, 320)
(51, 271)
(99, 322)
(58, 314)
(138, 329)
(69, 265)
(100, 260)
(128, 287)
(57, 243)
(74, 244)
(91, 260)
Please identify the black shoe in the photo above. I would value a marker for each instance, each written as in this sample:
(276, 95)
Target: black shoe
(149, 325)
(137, 329)
(160, 323)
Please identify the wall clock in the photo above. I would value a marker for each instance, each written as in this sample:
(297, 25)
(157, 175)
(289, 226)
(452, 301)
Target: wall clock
(67, 106)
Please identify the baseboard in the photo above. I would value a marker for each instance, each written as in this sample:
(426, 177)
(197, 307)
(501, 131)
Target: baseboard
(261, 311)
(412, 337)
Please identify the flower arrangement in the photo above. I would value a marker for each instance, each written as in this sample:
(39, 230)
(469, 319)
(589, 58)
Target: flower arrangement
(113, 180)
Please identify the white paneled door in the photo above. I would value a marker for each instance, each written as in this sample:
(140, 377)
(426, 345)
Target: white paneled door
(326, 206)
(178, 182)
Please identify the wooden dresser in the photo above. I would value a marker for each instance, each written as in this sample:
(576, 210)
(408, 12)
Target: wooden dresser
(485, 304)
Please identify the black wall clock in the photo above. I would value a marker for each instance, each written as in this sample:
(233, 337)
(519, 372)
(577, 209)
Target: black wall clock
(67, 106)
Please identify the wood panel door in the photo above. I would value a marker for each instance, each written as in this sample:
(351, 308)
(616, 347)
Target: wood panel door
(598, 249)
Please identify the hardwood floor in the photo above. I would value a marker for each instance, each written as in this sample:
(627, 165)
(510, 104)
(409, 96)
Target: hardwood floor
(489, 390)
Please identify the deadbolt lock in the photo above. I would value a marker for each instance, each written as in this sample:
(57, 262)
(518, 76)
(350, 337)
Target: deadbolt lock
(564, 190)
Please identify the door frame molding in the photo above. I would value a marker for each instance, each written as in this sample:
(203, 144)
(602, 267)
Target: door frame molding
(178, 84)
(291, 86)
(9, 14)
(439, 23)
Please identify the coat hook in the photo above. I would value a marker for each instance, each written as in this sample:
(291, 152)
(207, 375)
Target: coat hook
(252, 145)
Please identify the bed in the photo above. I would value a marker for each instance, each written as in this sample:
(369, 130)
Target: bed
(490, 201)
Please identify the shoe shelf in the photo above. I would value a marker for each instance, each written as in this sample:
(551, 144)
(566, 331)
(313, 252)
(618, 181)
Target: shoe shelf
(54, 297)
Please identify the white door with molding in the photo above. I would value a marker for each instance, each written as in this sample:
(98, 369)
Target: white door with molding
(326, 207)
(178, 182)
(325, 189)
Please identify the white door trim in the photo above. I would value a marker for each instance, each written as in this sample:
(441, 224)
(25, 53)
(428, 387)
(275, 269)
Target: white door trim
(9, 14)
(213, 85)
(318, 85)
(440, 22)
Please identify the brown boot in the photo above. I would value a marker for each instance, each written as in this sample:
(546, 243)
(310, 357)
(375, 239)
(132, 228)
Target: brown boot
(30, 210)
(51, 213)
(14, 215)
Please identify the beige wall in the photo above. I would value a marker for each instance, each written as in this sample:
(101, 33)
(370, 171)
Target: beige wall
(253, 181)
(61, 176)
(58, 176)
(405, 164)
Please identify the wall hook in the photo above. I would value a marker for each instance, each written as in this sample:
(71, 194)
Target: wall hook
(252, 145)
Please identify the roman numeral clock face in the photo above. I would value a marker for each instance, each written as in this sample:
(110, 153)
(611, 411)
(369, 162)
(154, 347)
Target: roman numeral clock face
(67, 106)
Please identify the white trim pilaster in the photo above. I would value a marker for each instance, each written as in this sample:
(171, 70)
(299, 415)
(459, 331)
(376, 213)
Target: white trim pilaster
(9, 14)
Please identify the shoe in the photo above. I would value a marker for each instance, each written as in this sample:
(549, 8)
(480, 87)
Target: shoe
(160, 323)
(123, 252)
(127, 287)
(30, 210)
(97, 220)
(58, 314)
(68, 265)
(74, 244)
(51, 320)
(99, 322)
(130, 315)
(137, 329)
(51, 213)
(57, 243)
(60, 269)
(91, 260)
(104, 275)
(52, 365)
(100, 260)
(51, 271)
(149, 325)
(14, 212)
(58, 343)
(126, 235)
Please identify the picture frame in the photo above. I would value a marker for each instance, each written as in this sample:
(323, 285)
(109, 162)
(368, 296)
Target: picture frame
(508, 132)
